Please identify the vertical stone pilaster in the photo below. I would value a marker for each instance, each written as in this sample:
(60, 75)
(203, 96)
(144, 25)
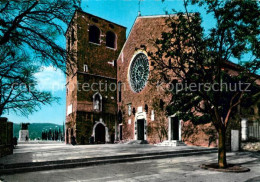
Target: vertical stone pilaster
(180, 125)
(244, 129)
(169, 128)
(234, 140)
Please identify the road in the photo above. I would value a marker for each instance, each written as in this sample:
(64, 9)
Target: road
(172, 169)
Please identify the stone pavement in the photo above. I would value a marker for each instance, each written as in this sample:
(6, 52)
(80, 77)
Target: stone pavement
(54, 151)
(179, 169)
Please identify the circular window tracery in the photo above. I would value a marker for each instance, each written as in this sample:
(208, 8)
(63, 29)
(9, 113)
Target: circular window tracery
(139, 72)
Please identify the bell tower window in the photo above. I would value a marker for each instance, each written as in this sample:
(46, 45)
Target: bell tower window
(110, 40)
(94, 34)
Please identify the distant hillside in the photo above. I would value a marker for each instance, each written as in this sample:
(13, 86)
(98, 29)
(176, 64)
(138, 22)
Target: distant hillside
(35, 129)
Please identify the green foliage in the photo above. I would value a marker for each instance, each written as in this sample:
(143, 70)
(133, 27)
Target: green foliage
(18, 86)
(159, 126)
(199, 59)
(33, 26)
(28, 30)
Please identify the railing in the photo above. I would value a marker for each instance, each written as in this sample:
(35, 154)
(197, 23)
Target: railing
(254, 130)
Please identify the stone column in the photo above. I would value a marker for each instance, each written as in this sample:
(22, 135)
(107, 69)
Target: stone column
(180, 125)
(169, 128)
(244, 129)
(234, 140)
(107, 135)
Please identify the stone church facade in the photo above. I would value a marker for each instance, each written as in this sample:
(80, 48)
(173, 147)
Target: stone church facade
(143, 104)
(136, 109)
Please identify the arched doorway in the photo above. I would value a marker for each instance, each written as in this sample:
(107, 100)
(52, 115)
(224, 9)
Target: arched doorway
(100, 133)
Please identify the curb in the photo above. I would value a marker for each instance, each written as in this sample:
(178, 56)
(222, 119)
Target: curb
(63, 164)
(230, 169)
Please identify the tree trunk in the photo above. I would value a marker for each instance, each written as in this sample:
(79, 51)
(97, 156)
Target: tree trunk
(222, 162)
(1, 112)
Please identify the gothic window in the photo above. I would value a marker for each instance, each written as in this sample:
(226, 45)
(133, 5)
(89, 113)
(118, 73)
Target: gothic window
(120, 117)
(73, 36)
(94, 34)
(146, 108)
(133, 111)
(170, 63)
(111, 40)
(85, 68)
(161, 104)
(119, 91)
(97, 102)
(129, 109)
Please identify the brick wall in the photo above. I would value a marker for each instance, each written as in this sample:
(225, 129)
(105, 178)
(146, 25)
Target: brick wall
(99, 59)
(144, 31)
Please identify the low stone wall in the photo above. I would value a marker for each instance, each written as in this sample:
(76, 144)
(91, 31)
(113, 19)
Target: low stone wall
(251, 146)
(6, 150)
(6, 137)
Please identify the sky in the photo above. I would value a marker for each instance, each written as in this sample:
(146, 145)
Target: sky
(122, 12)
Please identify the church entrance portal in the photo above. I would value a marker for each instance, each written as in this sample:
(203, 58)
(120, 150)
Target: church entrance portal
(100, 133)
(174, 128)
(120, 132)
(140, 129)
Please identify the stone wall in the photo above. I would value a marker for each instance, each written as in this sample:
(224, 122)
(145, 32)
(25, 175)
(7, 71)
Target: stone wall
(6, 137)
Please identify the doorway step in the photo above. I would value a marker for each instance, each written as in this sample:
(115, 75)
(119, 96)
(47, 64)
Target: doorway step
(171, 143)
(137, 142)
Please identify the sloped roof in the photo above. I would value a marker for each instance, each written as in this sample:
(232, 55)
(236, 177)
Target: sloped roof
(147, 28)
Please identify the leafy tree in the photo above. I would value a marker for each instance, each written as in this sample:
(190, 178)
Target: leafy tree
(160, 125)
(28, 34)
(198, 61)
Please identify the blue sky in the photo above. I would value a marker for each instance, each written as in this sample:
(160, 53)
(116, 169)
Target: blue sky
(122, 12)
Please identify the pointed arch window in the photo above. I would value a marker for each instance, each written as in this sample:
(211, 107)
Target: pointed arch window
(97, 102)
(94, 34)
(120, 117)
(119, 91)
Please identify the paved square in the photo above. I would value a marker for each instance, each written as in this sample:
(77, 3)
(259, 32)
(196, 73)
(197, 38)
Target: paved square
(53, 151)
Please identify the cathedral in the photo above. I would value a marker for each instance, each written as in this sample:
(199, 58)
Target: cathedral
(110, 97)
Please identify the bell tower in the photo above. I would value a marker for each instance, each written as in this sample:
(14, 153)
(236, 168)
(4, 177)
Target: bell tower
(91, 100)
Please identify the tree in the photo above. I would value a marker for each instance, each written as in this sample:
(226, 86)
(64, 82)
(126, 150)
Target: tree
(159, 126)
(202, 89)
(28, 34)
(17, 84)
